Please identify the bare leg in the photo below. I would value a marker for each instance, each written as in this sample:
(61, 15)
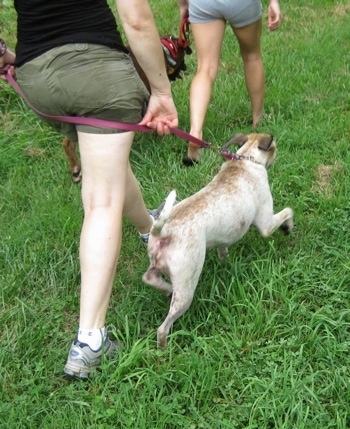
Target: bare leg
(208, 40)
(249, 42)
(106, 171)
(134, 207)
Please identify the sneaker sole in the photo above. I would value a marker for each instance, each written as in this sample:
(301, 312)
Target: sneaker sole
(73, 371)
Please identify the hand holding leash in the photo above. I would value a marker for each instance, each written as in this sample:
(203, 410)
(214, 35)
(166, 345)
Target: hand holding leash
(7, 59)
(146, 125)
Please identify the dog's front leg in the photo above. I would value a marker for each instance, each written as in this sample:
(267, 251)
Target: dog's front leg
(283, 220)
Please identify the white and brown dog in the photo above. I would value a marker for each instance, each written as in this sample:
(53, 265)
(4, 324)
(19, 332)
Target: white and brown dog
(218, 215)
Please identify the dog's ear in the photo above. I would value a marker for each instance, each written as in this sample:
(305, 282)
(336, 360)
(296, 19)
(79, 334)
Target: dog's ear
(238, 139)
(265, 143)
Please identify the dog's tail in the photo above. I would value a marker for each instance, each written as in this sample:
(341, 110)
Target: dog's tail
(164, 215)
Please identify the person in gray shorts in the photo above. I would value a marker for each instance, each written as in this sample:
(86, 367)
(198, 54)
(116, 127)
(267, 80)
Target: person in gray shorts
(208, 20)
(70, 60)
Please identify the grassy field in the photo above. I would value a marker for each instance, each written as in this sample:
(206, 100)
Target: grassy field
(266, 341)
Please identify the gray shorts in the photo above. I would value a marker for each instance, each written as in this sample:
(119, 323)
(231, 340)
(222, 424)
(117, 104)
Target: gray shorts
(84, 80)
(238, 13)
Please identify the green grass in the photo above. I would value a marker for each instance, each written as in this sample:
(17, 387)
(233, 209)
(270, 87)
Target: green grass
(266, 341)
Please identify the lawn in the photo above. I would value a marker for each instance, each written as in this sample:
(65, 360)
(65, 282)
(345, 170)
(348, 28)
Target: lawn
(266, 341)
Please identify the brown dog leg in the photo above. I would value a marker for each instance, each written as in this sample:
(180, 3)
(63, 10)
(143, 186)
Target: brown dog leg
(74, 164)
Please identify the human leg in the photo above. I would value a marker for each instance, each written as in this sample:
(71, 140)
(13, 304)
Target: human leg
(249, 38)
(106, 171)
(59, 83)
(208, 38)
(134, 205)
(104, 161)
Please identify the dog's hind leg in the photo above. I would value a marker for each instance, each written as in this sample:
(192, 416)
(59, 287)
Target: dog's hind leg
(74, 164)
(153, 277)
(184, 287)
(283, 220)
(180, 303)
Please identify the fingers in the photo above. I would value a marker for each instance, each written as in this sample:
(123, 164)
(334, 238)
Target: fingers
(161, 114)
(274, 24)
(11, 70)
(162, 128)
(274, 17)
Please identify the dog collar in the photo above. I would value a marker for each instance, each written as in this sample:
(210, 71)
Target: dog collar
(3, 48)
(231, 156)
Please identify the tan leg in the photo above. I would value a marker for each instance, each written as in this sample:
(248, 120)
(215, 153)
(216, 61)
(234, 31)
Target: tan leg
(208, 40)
(74, 164)
(249, 42)
(134, 204)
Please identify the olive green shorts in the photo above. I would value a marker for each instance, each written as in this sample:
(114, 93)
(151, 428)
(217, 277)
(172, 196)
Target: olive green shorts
(84, 80)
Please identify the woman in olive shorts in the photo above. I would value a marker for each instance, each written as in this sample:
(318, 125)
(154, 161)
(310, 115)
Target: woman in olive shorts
(208, 20)
(70, 60)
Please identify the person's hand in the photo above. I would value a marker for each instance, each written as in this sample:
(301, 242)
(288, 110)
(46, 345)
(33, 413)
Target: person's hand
(161, 114)
(183, 5)
(8, 59)
(274, 15)
(11, 70)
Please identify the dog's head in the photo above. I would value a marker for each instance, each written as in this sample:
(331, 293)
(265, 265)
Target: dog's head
(174, 56)
(261, 147)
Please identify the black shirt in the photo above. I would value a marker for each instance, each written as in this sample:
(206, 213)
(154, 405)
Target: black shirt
(45, 24)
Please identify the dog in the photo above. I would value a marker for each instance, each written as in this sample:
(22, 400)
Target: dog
(174, 51)
(217, 216)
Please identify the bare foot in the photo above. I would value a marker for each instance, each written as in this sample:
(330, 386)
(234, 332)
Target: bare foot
(256, 120)
(194, 153)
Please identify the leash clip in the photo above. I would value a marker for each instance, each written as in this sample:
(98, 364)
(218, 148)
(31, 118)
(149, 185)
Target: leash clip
(228, 154)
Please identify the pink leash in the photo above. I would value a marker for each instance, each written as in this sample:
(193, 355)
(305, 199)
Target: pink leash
(102, 123)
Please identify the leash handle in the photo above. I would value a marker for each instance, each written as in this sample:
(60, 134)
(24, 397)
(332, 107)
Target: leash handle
(5, 69)
(103, 123)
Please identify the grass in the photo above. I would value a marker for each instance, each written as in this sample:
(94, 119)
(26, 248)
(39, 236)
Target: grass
(266, 341)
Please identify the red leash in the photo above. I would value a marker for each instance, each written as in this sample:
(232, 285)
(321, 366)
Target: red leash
(184, 31)
(102, 123)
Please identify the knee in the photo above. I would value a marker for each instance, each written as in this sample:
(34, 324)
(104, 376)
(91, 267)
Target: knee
(208, 71)
(102, 202)
(250, 57)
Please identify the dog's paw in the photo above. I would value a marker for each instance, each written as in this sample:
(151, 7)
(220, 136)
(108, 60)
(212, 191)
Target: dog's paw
(287, 226)
(76, 175)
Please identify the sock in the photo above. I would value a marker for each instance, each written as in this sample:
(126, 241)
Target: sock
(92, 337)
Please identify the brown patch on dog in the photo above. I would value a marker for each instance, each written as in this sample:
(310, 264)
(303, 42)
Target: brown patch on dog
(324, 176)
